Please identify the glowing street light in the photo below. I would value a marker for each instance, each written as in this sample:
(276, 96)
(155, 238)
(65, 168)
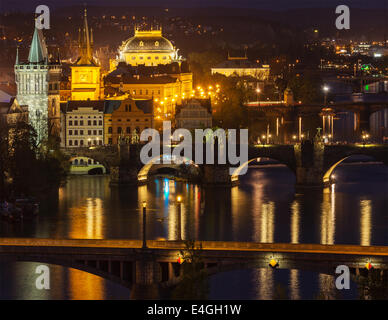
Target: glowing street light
(325, 90)
(179, 224)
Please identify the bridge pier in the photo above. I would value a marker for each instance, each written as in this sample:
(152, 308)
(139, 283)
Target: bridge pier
(309, 164)
(216, 175)
(146, 281)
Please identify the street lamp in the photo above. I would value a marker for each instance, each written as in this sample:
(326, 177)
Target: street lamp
(144, 224)
(325, 90)
(257, 96)
(179, 201)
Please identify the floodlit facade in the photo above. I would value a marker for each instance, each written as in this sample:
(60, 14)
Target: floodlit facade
(86, 73)
(38, 83)
(82, 123)
(240, 67)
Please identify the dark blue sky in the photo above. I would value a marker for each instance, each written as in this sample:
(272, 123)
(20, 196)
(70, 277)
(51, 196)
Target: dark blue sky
(28, 5)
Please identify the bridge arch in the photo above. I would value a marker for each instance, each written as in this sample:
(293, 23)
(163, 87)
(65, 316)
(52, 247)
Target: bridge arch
(84, 266)
(235, 176)
(145, 170)
(86, 165)
(329, 172)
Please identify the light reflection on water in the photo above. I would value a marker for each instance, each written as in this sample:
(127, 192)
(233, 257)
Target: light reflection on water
(263, 208)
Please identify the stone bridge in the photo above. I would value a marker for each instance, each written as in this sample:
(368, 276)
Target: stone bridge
(311, 162)
(146, 271)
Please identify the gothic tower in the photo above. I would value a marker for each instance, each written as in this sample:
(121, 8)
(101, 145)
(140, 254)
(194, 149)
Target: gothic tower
(37, 82)
(85, 73)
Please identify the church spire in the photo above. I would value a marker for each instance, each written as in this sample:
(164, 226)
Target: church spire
(85, 43)
(38, 50)
(17, 56)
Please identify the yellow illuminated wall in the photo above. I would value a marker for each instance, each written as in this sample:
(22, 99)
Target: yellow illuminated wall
(85, 82)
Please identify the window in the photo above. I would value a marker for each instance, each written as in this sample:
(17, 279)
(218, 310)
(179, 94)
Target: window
(76, 122)
(100, 122)
(149, 58)
(110, 141)
(89, 161)
(81, 132)
(70, 142)
(70, 132)
(89, 122)
(76, 132)
(89, 132)
(70, 123)
(100, 142)
(81, 142)
(100, 132)
(81, 123)
(94, 132)
(128, 129)
(76, 142)
(109, 129)
(94, 122)
(119, 130)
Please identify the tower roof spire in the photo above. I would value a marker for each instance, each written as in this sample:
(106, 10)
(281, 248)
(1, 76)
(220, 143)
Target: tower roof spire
(38, 49)
(17, 56)
(85, 43)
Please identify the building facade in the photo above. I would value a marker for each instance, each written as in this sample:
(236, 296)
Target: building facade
(86, 73)
(126, 118)
(148, 67)
(82, 123)
(240, 67)
(38, 83)
(194, 114)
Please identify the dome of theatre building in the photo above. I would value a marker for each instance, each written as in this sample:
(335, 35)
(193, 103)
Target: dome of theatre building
(149, 48)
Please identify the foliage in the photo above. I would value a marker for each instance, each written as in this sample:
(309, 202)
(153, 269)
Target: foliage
(306, 87)
(194, 284)
(32, 168)
(373, 285)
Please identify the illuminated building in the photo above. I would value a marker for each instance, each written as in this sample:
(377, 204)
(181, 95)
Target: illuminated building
(82, 123)
(149, 48)
(125, 119)
(241, 66)
(148, 67)
(193, 114)
(37, 81)
(86, 73)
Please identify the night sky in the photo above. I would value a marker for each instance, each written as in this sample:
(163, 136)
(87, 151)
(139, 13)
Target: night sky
(27, 5)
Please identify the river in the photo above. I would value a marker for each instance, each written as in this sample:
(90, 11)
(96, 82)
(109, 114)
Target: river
(264, 208)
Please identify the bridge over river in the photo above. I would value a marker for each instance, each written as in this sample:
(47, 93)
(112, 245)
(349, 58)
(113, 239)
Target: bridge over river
(127, 263)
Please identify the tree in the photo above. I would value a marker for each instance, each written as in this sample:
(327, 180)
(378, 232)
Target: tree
(373, 285)
(194, 284)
